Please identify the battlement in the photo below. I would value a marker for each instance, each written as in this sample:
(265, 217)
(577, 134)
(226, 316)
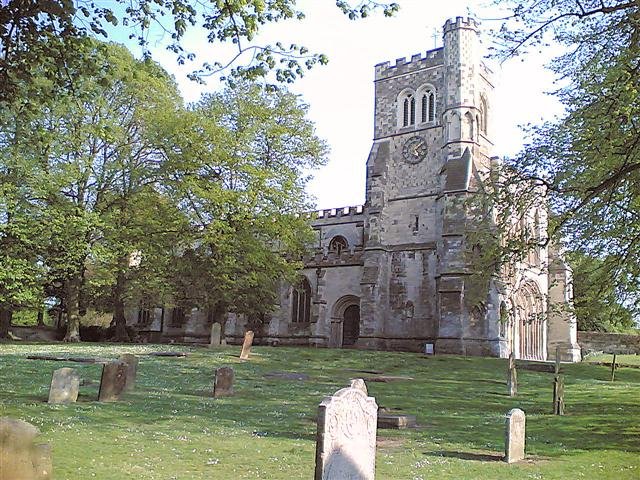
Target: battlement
(339, 212)
(460, 22)
(431, 58)
(321, 259)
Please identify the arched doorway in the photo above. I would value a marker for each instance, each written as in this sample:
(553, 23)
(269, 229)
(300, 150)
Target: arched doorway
(530, 335)
(351, 325)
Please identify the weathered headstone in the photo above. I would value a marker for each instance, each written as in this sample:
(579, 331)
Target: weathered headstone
(223, 382)
(558, 395)
(132, 370)
(216, 330)
(359, 384)
(65, 383)
(246, 345)
(346, 437)
(20, 457)
(512, 377)
(396, 421)
(514, 436)
(113, 381)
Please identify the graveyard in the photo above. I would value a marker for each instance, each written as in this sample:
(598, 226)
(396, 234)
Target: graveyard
(169, 426)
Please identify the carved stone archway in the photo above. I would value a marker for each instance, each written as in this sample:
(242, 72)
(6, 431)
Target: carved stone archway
(340, 308)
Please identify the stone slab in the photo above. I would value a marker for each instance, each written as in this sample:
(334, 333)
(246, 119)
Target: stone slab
(246, 345)
(65, 384)
(346, 436)
(514, 436)
(216, 331)
(223, 382)
(113, 381)
(20, 457)
(396, 421)
(132, 370)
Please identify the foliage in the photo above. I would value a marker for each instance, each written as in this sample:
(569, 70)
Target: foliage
(598, 306)
(587, 163)
(45, 36)
(170, 426)
(239, 163)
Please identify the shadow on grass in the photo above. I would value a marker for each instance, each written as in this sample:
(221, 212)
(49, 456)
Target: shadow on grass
(479, 457)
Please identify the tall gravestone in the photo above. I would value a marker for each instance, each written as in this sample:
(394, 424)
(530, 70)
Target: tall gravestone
(65, 383)
(558, 395)
(246, 345)
(514, 436)
(216, 332)
(512, 376)
(132, 370)
(223, 382)
(20, 457)
(113, 381)
(346, 436)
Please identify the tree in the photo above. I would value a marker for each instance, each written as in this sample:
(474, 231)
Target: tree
(90, 169)
(43, 37)
(598, 306)
(586, 164)
(240, 160)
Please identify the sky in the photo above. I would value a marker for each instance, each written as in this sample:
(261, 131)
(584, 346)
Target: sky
(340, 95)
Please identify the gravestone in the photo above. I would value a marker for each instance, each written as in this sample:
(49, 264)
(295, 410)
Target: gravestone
(346, 436)
(113, 381)
(512, 376)
(20, 457)
(223, 382)
(246, 345)
(216, 330)
(65, 383)
(514, 436)
(397, 421)
(359, 384)
(132, 370)
(558, 395)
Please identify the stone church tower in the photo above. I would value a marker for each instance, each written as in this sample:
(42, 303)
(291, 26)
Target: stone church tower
(395, 272)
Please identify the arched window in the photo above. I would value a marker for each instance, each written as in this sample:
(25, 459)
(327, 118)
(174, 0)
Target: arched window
(406, 109)
(301, 302)
(468, 118)
(338, 244)
(428, 104)
(483, 116)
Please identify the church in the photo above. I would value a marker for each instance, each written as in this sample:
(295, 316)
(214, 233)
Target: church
(393, 274)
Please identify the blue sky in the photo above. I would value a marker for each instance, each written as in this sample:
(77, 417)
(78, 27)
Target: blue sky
(340, 94)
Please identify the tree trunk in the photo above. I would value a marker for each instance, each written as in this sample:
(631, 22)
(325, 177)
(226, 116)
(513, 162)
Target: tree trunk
(121, 334)
(73, 311)
(40, 318)
(5, 322)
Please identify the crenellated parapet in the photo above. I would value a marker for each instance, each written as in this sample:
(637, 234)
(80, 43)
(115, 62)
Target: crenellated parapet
(322, 259)
(432, 58)
(332, 216)
(460, 23)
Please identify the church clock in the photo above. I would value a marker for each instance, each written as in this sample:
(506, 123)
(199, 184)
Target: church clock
(414, 149)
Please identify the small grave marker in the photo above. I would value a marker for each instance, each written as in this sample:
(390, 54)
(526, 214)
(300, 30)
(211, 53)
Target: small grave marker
(558, 395)
(65, 383)
(223, 382)
(113, 381)
(514, 436)
(512, 376)
(20, 457)
(216, 331)
(132, 370)
(346, 436)
(246, 345)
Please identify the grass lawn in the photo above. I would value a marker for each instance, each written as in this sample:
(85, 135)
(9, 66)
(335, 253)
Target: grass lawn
(169, 428)
(620, 359)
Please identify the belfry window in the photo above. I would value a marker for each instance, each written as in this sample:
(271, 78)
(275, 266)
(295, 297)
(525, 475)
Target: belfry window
(338, 244)
(428, 104)
(301, 302)
(409, 111)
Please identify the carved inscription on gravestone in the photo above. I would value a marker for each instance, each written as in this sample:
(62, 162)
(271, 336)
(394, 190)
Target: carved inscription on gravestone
(223, 382)
(216, 330)
(113, 381)
(65, 383)
(346, 436)
(246, 345)
(132, 370)
(514, 436)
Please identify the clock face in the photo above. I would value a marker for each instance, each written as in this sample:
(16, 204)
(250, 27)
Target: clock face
(414, 150)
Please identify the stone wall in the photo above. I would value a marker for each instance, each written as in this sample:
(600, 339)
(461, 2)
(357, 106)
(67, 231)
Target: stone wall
(608, 343)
